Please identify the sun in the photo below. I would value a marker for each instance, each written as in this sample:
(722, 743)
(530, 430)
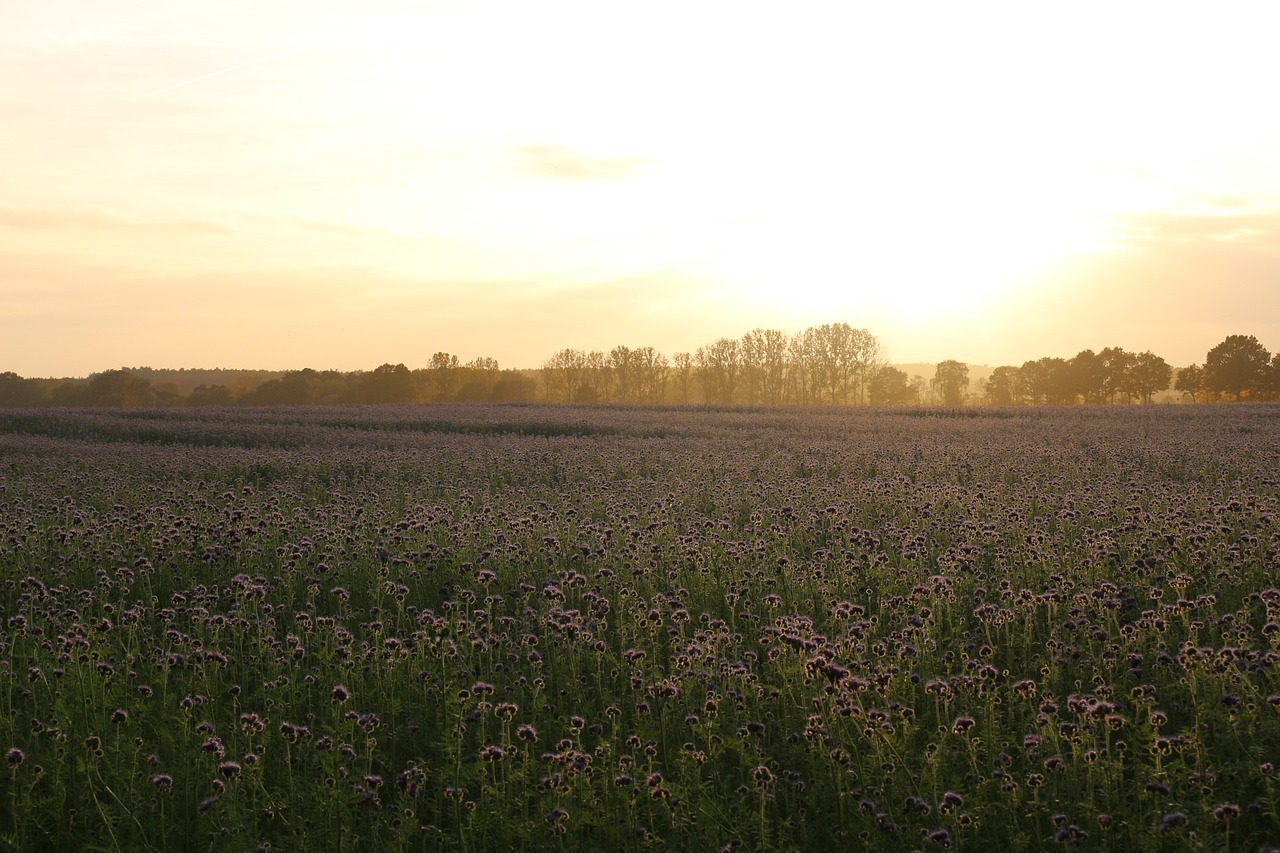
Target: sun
(883, 235)
(925, 267)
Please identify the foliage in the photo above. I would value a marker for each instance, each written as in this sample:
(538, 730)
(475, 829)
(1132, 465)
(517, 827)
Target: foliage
(951, 382)
(891, 387)
(1190, 381)
(833, 364)
(1238, 366)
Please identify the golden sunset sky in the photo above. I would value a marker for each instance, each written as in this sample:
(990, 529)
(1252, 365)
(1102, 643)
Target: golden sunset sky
(308, 183)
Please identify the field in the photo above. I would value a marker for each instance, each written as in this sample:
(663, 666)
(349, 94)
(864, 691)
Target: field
(525, 627)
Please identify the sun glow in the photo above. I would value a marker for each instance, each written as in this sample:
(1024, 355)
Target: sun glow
(711, 167)
(955, 251)
(919, 201)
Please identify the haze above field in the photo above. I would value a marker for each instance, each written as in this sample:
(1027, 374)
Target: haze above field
(279, 185)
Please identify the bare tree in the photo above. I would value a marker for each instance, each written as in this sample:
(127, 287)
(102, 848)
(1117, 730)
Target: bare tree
(682, 371)
(720, 368)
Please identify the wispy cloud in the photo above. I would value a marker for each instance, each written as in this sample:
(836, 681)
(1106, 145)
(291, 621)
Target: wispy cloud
(555, 161)
(98, 220)
(227, 70)
(1216, 219)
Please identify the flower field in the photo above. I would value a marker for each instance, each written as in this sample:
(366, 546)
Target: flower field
(528, 627)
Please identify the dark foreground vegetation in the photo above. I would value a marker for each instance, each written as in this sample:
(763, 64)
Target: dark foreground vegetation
(533, 627)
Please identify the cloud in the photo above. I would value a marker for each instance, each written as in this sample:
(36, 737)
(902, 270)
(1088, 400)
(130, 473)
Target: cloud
(1217, 219)
(554, 161)
(97, 220)
(337, 229)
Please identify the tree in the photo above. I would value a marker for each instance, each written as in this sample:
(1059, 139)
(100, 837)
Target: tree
(444, 375)
(478, 379)
(752, 368)
(835, 362)
(1116, 364)
(624, 370)
(720, 368)
(1147, 374)
(168, 393)
(334, 386)
(765, 354)
(1087, 373)
(388, 383)
(574, 376)
(652, 371)
(635, 375)
(1004, 387)
(16, 391)
(1048, 380)
(891, 387)
(595, 378)
(951, 382)
(866, 359)
(920, 388)
(514, 387)
(562, 375)
(1190, 381)
(294, 388)
(118, 388)
(210, 395)
(682, 370)
(1237, 366)
(802, 378)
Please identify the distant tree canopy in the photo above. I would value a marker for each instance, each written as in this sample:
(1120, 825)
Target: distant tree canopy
(210, 395)
(112, 388)
(16, 392)
(1005, 387)
(951, 382)
(1147, 375)
(831, 364)
(891, 387)
(1190, 381)
(834, 363)
(1046, 381)
(1239, 367)
(1109, 376)
(390, 383)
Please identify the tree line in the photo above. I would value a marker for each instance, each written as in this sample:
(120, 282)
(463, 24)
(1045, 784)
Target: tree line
(445, 379)
(831, 364)
(1238, 368)
(837, 364)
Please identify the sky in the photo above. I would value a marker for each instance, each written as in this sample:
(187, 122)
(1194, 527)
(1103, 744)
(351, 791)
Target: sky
(280, 184)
